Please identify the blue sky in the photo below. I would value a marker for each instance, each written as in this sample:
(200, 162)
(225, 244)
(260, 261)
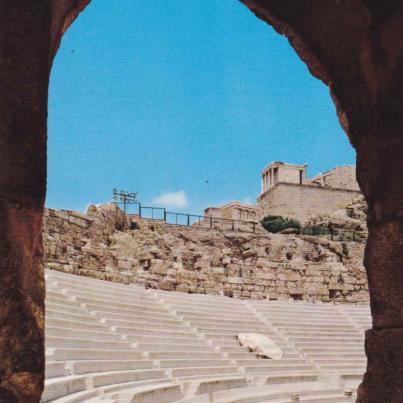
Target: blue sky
(183, 101)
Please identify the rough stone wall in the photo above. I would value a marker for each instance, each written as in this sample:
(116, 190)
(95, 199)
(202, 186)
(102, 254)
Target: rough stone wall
(75, 241)
(341, 177)
(235, 264)
(303, 201)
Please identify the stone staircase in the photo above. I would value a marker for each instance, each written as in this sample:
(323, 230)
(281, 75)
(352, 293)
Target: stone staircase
(109, 342)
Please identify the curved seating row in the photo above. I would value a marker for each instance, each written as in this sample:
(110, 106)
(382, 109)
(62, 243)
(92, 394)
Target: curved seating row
(108, 342)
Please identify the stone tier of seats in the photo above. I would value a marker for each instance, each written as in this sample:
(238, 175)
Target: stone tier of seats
(108, 342)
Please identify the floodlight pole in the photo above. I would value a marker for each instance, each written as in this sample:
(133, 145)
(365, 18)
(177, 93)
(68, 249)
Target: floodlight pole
(124, 197)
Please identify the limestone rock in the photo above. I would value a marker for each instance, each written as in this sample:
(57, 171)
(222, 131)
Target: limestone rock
(260, 344)
(353, 217)
(289, 231)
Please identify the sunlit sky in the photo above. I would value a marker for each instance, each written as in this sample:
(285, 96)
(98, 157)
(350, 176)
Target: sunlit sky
(182, 101)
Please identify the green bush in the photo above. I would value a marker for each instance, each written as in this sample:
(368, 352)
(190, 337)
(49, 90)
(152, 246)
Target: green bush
(276, 223)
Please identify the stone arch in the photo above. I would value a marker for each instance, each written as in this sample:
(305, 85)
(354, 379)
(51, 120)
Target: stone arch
(354, 46)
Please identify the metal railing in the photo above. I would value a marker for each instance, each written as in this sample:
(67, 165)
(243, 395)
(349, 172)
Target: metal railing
(194, 220)
(335, 234)
(228, 224)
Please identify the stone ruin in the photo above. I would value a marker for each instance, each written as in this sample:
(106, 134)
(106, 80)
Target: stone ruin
(100, 244)
(288, 192)
(354, 47)
(196, 315)
(233, 210)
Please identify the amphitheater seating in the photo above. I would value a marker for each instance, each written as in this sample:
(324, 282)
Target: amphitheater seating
(108, 342)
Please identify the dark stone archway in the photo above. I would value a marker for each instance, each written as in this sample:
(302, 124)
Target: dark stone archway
(30, 32)
(354, 46)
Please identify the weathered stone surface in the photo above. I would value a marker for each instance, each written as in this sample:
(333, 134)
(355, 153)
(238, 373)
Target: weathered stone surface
(24, 47)
(22, 308)
(384, 376)
(352, 217)
(28, 41)
(173, 258)
(355, 47)
(260, 344)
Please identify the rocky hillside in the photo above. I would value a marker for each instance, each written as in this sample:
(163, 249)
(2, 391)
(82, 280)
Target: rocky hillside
(352, 217)
(100, 244)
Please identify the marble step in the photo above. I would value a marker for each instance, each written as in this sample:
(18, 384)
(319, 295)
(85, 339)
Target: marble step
(166, 392)
(64, 354)
(77, 342)
(88, 366)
